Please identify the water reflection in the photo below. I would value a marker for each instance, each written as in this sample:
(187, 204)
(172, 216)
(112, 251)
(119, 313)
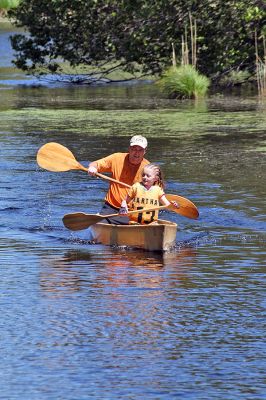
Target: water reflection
(80, 269)
(124, 298)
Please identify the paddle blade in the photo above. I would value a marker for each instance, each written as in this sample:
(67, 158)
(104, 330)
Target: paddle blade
(79, 221)
(57, 158)
(187, 208)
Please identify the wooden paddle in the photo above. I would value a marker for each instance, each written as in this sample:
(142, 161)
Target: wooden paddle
(79, 220)
(57, 158)
(186, 207)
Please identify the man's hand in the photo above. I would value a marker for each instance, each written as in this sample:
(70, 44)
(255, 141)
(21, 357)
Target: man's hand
(92, 170)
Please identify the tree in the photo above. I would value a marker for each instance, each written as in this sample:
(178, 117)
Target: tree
(135, 35)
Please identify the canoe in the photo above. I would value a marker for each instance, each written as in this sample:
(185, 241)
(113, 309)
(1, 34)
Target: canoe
(153, 237)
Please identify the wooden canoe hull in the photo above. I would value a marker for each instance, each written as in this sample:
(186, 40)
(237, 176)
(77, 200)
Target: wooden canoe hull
(157, 237)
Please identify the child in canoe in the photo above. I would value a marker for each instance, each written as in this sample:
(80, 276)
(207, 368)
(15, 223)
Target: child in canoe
(148, 193)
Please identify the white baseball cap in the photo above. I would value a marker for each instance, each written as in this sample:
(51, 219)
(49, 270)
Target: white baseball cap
(139, 140)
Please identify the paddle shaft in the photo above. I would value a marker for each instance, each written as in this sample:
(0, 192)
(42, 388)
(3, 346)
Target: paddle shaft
(133, 212)
(186, 207)
(57, 158)
(107, 178)
(110, 179)
(78, 221)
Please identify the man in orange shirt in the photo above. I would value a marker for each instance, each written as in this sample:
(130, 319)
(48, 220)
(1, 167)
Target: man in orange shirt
(124, 167)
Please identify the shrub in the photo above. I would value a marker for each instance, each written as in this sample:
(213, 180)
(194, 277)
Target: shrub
(7, 4)
(184, 82)
(235, 78)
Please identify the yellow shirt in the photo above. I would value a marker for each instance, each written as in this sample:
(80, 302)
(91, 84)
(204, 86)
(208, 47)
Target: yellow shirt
(145, 198)
(122, 170)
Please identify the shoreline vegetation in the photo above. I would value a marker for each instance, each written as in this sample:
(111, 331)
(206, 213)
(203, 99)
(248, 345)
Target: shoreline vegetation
(75, 76)
(184, 80)
(178, 81)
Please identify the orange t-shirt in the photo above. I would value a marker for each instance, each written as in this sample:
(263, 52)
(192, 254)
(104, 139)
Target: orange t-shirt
(121, 169)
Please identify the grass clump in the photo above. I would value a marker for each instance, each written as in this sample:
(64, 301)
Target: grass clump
(184, 82)
(8, 4)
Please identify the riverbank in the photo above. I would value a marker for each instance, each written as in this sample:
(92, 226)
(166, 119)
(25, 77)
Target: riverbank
(80, 75)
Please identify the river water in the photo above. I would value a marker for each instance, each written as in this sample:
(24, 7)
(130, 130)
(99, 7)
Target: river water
(85, 321)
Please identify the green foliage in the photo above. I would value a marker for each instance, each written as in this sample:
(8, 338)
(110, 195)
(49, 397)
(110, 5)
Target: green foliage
(8, 4)
(184, 81)
(137, 35)
(235, 78)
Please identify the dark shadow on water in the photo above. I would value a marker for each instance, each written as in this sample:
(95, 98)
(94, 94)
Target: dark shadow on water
(7, 209)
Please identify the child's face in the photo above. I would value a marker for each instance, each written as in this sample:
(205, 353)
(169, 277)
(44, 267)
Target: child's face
(149, 177)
